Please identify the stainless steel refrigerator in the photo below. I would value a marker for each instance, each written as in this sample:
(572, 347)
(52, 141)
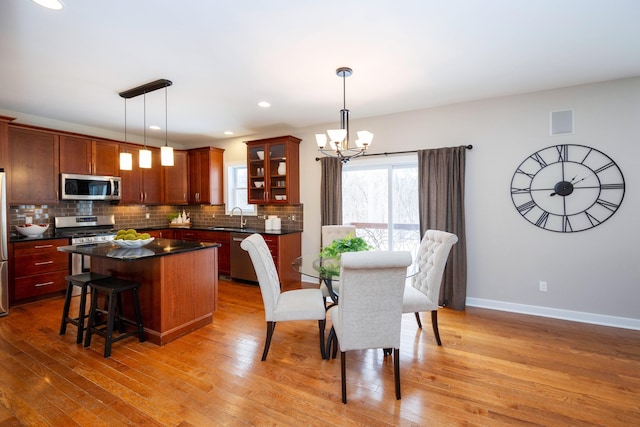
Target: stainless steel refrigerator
(4, 252)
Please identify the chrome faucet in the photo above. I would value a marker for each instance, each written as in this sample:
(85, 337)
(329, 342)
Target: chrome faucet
(243, 222)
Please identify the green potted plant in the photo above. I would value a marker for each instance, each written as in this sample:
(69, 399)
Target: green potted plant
(330, 255)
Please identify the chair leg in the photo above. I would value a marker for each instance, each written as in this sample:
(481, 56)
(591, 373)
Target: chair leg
(343, 375)
(333, 340)
(434, 324)
(396, 370)
(321, 327)
(82, 313)
(92, 318)
(270, 327)
(65, 309)
(418, 320)
(108, 340)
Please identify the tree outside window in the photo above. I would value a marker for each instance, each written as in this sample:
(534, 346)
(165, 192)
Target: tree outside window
(381, 199)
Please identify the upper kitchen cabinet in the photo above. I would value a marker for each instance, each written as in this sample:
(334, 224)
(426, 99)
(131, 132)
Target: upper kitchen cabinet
(274, 170)
(142, 186)
(32, 174)
(4, 140)
(88, 156)
(176, 186)
(206, 176)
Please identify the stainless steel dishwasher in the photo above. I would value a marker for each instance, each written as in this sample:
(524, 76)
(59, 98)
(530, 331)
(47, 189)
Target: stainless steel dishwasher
(241, 265)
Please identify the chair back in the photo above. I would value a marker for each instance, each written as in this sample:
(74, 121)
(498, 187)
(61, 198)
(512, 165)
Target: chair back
(431, 259)
(370, 308)
(333, 232)
(265, 271)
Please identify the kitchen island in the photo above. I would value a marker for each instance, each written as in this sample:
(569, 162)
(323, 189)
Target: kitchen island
(179, 282)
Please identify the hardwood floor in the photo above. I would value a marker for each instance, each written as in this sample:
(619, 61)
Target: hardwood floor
(493, 369)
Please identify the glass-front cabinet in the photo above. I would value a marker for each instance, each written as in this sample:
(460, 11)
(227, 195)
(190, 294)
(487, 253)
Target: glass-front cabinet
(274, 170)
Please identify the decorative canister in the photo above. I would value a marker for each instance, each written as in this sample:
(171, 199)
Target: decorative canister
(276, 223)
(268, 224)
(282, 168)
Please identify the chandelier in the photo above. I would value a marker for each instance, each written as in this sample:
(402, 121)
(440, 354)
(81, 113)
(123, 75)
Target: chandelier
(339, 138)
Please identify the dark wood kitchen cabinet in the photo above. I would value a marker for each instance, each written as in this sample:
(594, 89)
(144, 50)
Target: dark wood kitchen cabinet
(205, 176)
(221, 237)
(176, 185)
(88, 156)
(141, 186)
(274, 178)
(38, 268)
(33, 168)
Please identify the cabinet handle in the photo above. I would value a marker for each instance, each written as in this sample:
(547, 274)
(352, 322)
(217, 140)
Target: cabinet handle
(42, 246)
(43, 263)
(39, 285)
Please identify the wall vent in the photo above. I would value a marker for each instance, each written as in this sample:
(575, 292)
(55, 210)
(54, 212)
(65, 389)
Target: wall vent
(562, 122)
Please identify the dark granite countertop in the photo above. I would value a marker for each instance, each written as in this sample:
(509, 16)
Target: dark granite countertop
(158, 247)
(230, 230)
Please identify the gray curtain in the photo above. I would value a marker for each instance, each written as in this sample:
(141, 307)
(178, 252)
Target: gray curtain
(441, 207)
(331, 191)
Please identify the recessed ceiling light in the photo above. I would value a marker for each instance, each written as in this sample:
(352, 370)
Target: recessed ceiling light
(50, 4)
(154, 127)
(228, 132)
(264, 104)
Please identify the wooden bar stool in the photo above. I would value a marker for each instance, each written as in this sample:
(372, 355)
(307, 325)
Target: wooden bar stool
(112, 288)
(81, 281)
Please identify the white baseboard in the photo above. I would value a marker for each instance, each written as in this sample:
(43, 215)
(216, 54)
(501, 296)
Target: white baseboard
(555, 313)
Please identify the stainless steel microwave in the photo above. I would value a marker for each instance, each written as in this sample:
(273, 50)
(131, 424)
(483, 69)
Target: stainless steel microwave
(89, 187)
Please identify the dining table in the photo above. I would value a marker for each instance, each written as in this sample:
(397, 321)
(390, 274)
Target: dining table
(328, 271)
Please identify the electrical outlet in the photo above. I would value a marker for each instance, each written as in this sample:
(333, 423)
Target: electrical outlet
(542, 286)
(147, 215)
(213, 216)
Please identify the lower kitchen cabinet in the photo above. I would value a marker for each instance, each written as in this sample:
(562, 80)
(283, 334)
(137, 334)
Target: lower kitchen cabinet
(284, 249)
(38, 268)
(224, 251)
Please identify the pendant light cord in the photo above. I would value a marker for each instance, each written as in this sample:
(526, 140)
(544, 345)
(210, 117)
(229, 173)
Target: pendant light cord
(144, 120)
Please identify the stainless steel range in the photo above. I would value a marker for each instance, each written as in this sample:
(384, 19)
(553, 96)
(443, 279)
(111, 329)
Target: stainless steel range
(84, 230)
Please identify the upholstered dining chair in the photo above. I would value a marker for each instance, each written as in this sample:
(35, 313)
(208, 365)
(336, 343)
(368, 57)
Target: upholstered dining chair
(422, 291)
(369, 314)
(297, 304)
(329, 234)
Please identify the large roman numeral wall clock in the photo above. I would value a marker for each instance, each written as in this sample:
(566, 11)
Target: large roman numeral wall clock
(567, 188)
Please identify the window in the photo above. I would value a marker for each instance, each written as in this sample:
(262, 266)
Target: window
(380, 197)
(237, 188)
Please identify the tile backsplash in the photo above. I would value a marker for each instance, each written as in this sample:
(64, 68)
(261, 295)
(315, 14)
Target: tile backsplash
(142, 216)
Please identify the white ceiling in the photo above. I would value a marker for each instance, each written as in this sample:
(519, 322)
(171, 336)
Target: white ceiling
(225, 56)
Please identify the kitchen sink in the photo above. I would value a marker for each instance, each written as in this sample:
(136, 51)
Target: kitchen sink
(235, 229)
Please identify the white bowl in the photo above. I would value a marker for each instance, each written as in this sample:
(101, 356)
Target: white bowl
(32, 230)
(132, 243)
(129, 253)
(260, 154)
(281, 197)
(259, 184)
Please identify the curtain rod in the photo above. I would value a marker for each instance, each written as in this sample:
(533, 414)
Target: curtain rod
(468, 147)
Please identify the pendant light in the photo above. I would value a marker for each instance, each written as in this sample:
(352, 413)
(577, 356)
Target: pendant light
(144, 155)
(126, 159)
(166, 152)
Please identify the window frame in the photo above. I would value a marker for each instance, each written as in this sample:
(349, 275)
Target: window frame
(231, 188)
